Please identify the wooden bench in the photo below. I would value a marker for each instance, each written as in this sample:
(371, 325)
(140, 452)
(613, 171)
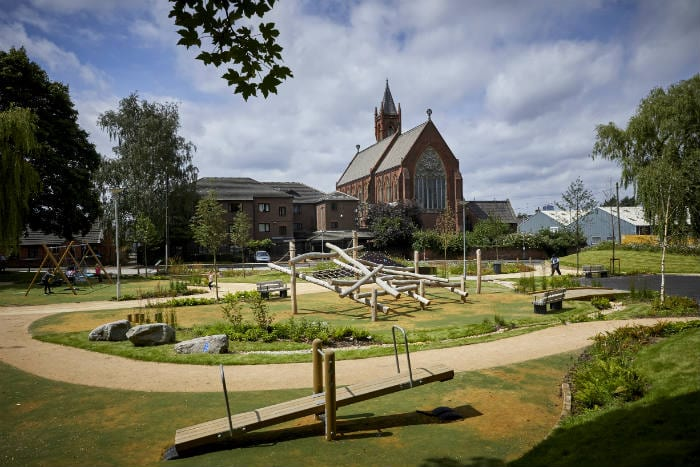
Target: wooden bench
(554, 298)
(268, 287)
(598, 269)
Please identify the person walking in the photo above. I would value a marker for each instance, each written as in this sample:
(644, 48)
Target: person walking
(555, 265)
(211, 280)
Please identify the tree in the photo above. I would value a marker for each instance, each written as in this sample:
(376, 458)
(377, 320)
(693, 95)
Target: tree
(65, 161)
(153, 164)
(445, 228)
(209, 228)
(577, 200)
(240, 231)
(228, 28)
(659, 152)
(19, 179)
(392, 225)
(145, 232)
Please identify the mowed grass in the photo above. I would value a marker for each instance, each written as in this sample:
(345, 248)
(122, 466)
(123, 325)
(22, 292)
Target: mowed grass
(446, 322)
(506, 410)
(637, 262)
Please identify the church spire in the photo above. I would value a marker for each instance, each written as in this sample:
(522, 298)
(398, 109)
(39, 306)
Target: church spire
(387, 120)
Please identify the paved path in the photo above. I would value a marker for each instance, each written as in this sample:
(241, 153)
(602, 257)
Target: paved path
(78, 366)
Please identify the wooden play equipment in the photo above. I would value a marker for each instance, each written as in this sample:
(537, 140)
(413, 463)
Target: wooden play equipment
(324, 401)
(352, 273)
(67, 258)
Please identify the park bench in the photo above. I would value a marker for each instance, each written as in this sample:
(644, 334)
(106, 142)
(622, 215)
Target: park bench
(595, 269)
(268, 287)
(553, 297)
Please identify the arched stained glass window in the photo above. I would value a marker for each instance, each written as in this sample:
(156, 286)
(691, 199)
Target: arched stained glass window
(430, 185)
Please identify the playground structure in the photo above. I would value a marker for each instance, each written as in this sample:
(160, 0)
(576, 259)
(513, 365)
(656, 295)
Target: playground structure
(66, 257)
(352, 273)
(323, 403)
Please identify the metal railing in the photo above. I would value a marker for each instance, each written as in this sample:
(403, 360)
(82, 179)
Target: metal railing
(396, 352)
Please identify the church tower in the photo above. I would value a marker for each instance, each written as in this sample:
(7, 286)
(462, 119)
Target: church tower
(387, 120)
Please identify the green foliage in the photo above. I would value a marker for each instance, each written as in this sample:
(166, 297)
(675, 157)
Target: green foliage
(253, 57)
(233, 303)
(393, 225)
(152, 164)
(241, 230)
(489, 232)
(19, 179)
(65, 160)
(601, 303)
(674, 306)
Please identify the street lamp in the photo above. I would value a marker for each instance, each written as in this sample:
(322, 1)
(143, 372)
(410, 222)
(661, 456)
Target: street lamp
(464, 244)
(115, 192)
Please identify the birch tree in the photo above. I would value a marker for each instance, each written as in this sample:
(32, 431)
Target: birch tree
(209, 229)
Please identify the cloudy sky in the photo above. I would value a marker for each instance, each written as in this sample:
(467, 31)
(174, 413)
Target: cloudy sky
(516, 87)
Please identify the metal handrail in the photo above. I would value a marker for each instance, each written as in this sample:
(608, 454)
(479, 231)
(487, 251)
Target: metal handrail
(228, 407)
(396, 352)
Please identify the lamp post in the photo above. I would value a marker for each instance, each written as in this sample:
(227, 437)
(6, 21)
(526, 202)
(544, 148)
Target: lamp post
(115, 192)
(464, 244)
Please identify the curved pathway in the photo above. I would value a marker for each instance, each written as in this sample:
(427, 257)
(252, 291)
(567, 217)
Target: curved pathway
(77, 366)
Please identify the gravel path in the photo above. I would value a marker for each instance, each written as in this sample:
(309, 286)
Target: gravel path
(77, 366)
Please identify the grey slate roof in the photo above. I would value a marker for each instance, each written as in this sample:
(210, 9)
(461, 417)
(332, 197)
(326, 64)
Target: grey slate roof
(338, 196)
(36, 237)
(400, 149)
(237, 188)
(363, 162)
(388, 107)
(496, 209)
(300, 192)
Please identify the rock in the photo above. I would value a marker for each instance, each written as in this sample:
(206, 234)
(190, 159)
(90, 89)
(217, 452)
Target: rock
(114, 331)
(151, 334)
(207, 344)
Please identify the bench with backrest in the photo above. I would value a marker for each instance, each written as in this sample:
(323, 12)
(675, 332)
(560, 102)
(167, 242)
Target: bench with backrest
(595, 269)
(554, 298)
(268, 287)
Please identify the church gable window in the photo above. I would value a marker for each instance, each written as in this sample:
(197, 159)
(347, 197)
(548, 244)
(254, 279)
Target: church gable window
(430, 185)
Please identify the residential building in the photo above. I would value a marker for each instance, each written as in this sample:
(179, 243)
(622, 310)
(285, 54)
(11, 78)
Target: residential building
(476, 211)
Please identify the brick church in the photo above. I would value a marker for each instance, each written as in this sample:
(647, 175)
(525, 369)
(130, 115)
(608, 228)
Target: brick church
(415, 167)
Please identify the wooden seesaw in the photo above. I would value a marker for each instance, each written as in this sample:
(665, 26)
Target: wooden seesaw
(322, 403)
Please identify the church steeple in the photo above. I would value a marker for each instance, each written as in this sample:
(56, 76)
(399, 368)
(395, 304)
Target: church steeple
(387, 120)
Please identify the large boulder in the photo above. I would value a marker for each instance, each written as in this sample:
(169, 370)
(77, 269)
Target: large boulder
(114, 331)
(151, 334)
(208, 344)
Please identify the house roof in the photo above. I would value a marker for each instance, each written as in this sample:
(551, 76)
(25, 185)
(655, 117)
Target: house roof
(563, 217)
(300, 192)
(496, 209)
(337, 196)
(237, 188)
(632, 214)
(36, 237)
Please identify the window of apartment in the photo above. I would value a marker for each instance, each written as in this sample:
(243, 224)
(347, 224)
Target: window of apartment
(554, 229)
(264, 207)
(283, 230)
(595, 240)
(334, 206)
(298, 227)
(263, 227)
(282, 211)
(297, 209)
(334, 225)
(234, 207)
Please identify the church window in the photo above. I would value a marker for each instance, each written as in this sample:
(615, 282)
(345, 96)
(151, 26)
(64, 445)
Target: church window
(387, 190)
(430, 185)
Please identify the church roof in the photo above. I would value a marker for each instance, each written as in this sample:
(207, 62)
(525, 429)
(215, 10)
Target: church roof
(364, 161)
(401, 147)
(388, 106)
(237, 188)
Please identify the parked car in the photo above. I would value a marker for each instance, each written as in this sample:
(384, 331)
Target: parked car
(262, 256)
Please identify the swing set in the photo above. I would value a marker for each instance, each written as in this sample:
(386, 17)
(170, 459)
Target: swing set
(66, 257)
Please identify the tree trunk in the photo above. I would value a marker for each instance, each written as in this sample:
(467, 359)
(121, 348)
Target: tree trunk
(664, 243)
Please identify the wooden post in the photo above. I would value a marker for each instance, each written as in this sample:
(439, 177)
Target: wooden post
(355, 244)
(317, 366)
(463, 287)
(421, 291)
(293, 280)
(415, 261)
(329, 385)
(478, 271)
(374, 305)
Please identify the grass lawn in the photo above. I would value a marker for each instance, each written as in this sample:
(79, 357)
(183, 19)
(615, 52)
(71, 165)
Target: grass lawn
(637, 262)
(446, 322)
(507, 410)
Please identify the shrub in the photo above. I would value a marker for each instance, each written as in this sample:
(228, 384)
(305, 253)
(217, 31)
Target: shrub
(672, 305)
(601, 303)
